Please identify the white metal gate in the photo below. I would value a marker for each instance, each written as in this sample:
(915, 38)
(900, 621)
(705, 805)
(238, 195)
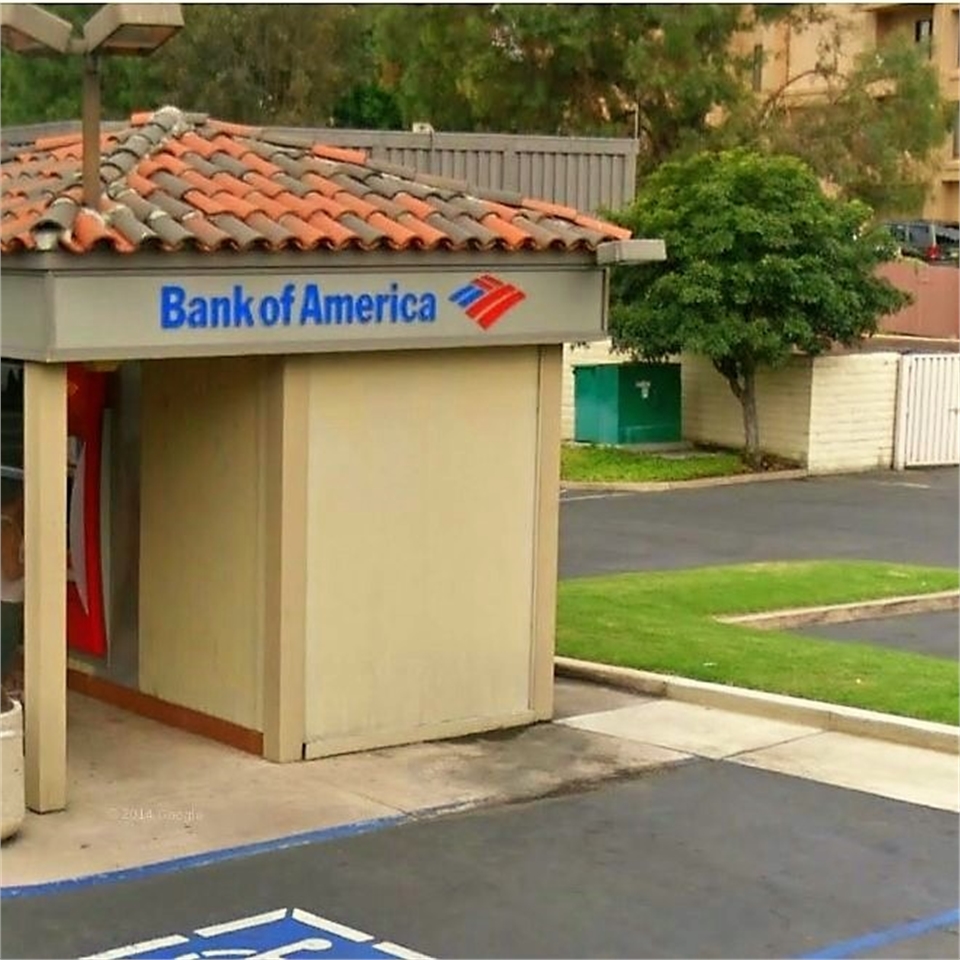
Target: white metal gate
(928, 411)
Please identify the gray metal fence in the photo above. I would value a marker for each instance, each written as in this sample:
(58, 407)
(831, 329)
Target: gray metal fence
(589, 173)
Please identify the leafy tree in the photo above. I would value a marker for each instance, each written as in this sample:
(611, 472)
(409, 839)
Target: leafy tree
(653, 70)
(760, 263)
(271, 63)
(256, 63)
(35, 89)
(367, 106)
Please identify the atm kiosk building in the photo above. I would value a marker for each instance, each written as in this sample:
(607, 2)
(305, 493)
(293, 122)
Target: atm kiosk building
(291, 437)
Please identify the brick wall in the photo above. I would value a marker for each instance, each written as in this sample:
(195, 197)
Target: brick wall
(852, 412)
(711, 413)
(935, 311)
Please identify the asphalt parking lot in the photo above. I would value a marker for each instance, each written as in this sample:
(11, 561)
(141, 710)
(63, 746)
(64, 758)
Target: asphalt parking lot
(934, 634)
(910, 517)
(704, 859)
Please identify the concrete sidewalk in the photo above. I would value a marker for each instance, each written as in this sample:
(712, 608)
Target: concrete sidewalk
(141, 793)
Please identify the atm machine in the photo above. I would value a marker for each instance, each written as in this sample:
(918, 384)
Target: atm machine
(88, 508)
(87, 492)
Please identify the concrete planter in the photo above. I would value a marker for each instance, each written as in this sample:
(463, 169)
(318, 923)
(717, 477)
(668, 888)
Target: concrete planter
(11, 746)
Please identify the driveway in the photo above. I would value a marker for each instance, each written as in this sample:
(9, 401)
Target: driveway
(909, 517)
(934, 634)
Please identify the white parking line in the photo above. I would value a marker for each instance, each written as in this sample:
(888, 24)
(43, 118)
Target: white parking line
(569, 496)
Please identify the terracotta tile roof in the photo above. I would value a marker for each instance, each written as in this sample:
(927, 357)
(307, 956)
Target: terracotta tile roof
(176, 181)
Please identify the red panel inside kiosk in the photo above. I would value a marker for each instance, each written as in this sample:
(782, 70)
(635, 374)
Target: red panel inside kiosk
(86, 400)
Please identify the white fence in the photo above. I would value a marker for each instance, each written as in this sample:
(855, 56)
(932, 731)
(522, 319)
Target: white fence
(928, 411)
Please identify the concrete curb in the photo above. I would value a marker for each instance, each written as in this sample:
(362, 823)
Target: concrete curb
(847, 612)
(861, 723)
(661, 485)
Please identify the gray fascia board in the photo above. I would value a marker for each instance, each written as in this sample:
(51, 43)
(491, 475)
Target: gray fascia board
(631, 251)
(104, 262)
(307, 348)
(39, 345)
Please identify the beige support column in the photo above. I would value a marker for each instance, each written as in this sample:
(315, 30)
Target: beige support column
(45, 604)
(286, 447)
(546, 531)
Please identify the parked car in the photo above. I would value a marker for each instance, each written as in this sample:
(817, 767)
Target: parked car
(935, 241)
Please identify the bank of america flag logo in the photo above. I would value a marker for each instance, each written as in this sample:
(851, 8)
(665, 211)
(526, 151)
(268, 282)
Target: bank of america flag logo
(485, 299)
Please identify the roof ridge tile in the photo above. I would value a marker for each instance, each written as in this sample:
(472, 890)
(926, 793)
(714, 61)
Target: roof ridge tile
(350, 157)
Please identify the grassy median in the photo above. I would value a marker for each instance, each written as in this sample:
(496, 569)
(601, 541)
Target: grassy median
(602, 464)
(664, 622)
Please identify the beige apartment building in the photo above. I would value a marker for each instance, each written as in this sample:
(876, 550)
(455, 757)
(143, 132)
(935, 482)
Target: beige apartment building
(783, 53)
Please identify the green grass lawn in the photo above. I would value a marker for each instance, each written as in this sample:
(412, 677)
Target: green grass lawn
(614, 465)
(663, 622)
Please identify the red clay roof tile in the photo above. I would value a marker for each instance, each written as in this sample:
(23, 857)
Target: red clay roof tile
(177, 179)
(272, 208)
(340, 234)
(162, 161)
(551, 209)
(257, 163)
(338, 153)
(264, 185)
(307, 236)
(347, 201)
(431, 237)
(515, 237)
(418, 208)
(599, 226)
(89, 230)
(397, 233)
(232, 129)
(140, 185)
(235, 205)
(46, 144)
(209, 235)
(322, 185)
(209, 205)
(227, 181)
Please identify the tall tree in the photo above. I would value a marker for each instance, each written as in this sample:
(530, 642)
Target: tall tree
(267, 63)
(761, 263)
(654, 70)
(875, 130)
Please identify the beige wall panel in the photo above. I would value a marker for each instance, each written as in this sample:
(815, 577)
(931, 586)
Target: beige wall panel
(547, 533)
(711, 413)
(420, 550)
(201, 545)
(852, 412)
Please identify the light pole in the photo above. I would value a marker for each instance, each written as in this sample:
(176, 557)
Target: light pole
(116, 29)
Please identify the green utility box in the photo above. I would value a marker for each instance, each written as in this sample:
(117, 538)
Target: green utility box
(627, 403)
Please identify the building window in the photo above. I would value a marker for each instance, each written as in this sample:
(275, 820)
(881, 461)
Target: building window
(923, 34)
(956, 137)
(758, 67)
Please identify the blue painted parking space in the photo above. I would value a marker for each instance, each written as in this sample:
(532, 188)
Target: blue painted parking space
(287, 933)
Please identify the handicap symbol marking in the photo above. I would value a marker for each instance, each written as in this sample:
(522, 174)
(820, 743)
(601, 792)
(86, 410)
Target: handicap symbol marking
(284, 934)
